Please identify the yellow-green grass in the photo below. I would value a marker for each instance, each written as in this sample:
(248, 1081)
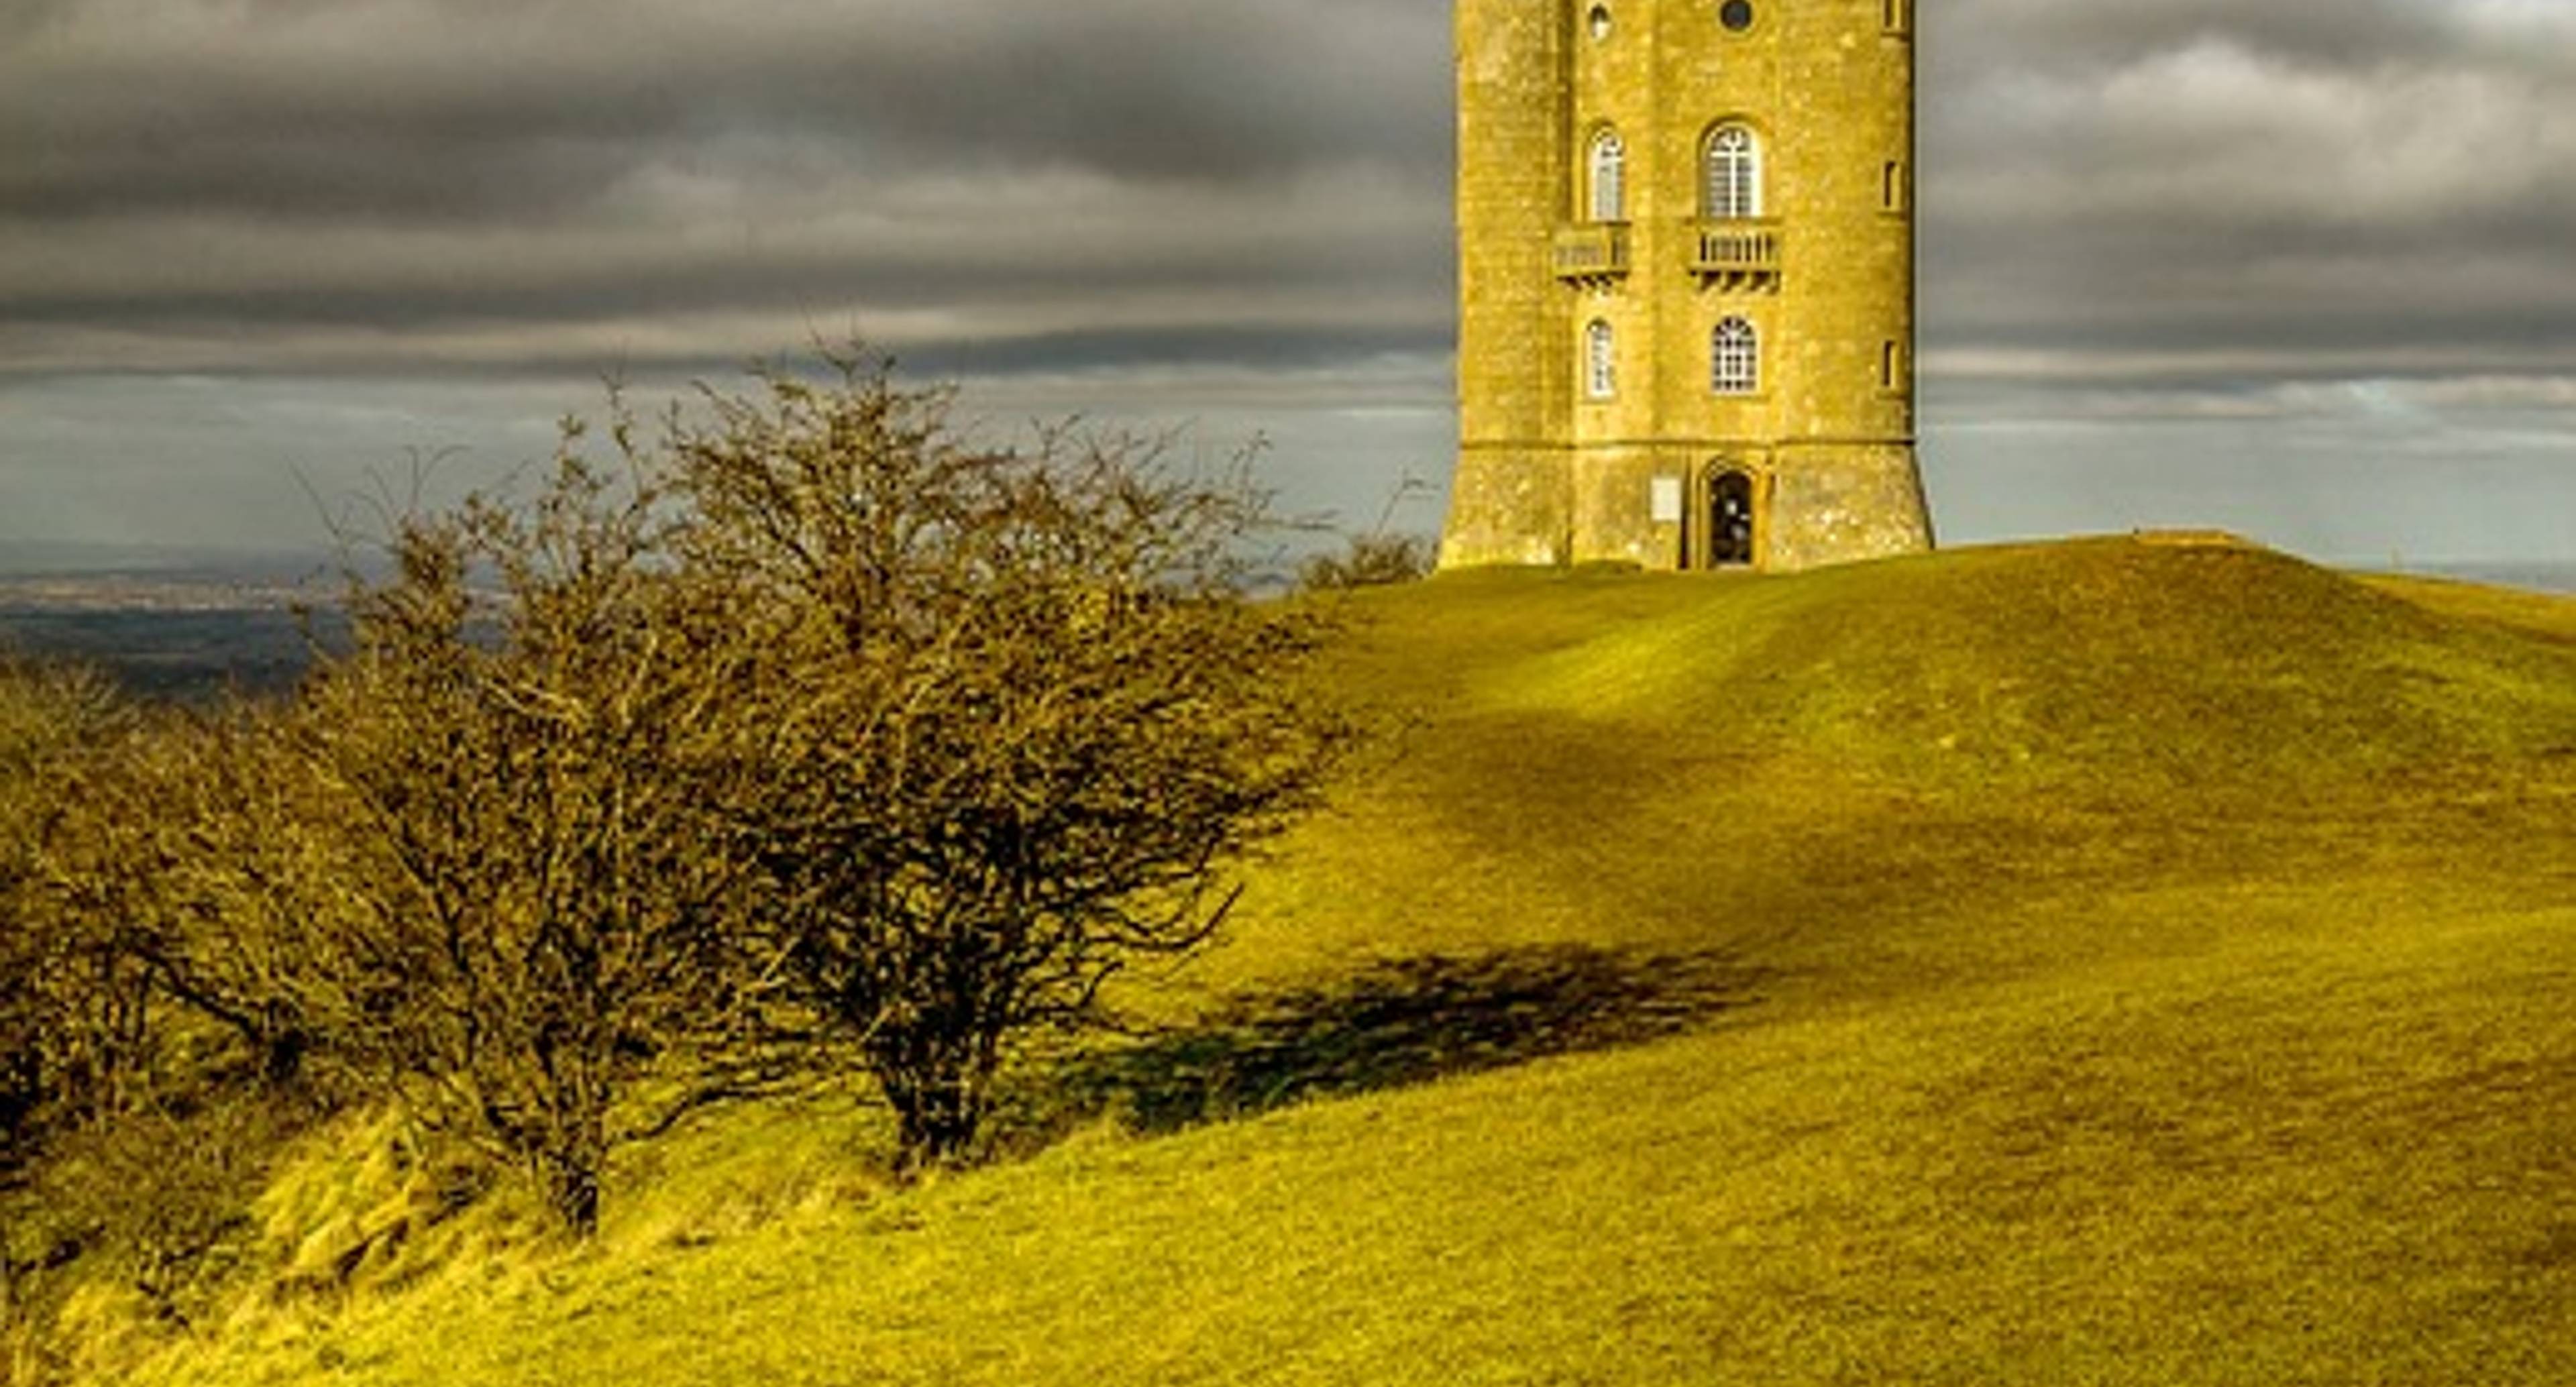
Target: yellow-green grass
(2152, 965)
(1828, 763)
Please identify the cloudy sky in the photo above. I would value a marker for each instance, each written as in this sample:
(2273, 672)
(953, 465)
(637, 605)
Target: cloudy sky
(2306, 270)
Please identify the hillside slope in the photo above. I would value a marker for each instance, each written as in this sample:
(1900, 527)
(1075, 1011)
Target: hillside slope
(2093, 963)
(1814, 761)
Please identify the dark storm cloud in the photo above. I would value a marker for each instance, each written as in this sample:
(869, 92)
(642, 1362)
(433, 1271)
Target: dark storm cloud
(576, 279)
(2210, 198)
(180, 172)
(450, 108)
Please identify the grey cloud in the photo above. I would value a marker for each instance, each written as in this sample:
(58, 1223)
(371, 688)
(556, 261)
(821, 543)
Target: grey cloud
(2006, 33)
(189, 170)
(2137, 175)
(568, 278)
(2185, 189)
(375, 108)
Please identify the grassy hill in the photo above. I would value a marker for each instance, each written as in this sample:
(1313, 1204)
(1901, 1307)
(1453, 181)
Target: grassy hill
(2091, 963)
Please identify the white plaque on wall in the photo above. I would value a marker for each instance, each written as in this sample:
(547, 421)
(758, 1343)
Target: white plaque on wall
(1667, 501)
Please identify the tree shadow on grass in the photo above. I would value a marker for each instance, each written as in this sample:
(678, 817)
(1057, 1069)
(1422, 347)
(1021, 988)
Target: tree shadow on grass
(1403, 1021)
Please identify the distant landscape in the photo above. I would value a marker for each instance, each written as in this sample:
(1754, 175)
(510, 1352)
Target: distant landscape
(2538, 577)
(190, 625)
(174, 624)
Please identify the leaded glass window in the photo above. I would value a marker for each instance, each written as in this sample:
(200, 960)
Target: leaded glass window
(1735, 358)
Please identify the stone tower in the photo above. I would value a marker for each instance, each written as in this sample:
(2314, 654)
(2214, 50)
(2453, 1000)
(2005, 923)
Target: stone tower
(1686, 283)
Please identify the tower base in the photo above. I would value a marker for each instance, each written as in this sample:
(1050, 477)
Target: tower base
(1774, 507)
(1509, 504)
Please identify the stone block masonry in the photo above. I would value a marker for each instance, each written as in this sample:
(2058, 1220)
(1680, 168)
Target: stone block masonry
(1686, 273)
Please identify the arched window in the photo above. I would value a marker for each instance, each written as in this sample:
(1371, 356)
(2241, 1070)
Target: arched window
(1735, 358)
(1609, 178)
(1600, 361)
(1733, 175)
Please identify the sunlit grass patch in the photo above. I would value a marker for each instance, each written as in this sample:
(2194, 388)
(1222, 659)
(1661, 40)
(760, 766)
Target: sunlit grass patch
(2122, 964)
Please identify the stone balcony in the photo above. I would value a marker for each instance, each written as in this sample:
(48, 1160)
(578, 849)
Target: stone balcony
(1736, 254)
(1591, 252)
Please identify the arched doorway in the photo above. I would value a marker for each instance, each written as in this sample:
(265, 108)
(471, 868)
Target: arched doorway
(1730, 519)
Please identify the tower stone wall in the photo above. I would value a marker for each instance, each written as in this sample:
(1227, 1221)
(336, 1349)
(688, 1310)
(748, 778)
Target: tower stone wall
(1596, 419)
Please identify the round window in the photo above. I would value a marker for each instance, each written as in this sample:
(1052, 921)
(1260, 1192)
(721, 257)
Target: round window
(1600, 21)
(1736, 15)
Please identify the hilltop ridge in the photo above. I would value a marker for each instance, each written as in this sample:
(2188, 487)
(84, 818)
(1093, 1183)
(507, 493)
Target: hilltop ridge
(2115, 658)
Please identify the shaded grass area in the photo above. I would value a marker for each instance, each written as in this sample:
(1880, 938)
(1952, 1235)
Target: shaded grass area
(2094, 963)
(1397, 1022)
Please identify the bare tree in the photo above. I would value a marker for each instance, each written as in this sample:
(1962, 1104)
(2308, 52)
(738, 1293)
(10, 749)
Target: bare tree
(1029, 716)
(477, 861)
(802, 717)
(1379, 555)
(74, 1023)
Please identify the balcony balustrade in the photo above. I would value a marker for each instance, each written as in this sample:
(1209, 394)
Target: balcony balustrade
(1738, 253)
(1742, 253)
(1592, 252)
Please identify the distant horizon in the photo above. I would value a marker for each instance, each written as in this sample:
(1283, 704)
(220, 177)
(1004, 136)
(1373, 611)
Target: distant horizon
(25, 560)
